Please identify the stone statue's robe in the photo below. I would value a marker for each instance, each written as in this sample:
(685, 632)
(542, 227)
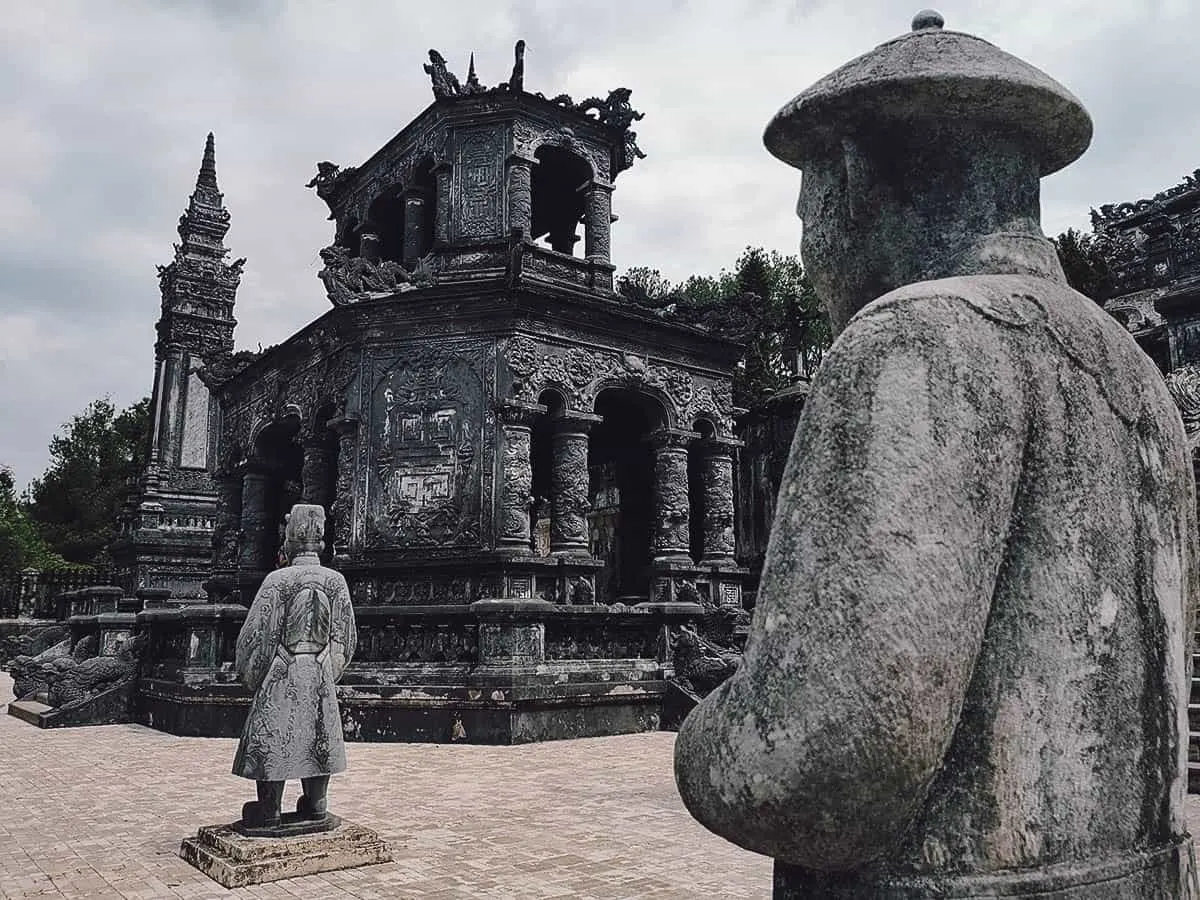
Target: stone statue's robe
(297, 640)
(967, 672)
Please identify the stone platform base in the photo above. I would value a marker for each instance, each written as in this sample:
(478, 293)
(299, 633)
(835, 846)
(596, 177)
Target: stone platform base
(234, 860)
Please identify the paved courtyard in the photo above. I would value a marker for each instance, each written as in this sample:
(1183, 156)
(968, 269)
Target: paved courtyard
(99, 812)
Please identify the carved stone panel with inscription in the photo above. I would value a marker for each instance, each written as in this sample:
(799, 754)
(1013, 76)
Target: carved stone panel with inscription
(427, 425)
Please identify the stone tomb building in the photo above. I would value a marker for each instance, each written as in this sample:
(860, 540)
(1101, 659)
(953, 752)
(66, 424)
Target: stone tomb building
(529, 480)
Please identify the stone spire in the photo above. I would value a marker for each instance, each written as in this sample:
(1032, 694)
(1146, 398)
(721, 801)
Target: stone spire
(198, 286)
(165, 529)
(203, 227)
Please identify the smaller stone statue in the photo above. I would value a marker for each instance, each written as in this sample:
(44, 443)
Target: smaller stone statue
(516, 81)
(296, 642)
(445, 83)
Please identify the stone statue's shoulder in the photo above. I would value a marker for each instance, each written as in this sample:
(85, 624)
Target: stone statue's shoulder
(1052, 321)
(1010, 300)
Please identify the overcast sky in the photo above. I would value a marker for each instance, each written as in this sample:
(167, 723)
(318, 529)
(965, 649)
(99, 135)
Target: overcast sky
(104, 107)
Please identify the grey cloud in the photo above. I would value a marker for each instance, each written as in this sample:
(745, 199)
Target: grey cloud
(108, 105)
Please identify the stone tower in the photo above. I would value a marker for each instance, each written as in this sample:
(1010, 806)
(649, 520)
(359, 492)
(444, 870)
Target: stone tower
(165, 531)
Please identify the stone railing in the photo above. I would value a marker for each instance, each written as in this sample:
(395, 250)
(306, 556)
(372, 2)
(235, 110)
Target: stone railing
(31, 593)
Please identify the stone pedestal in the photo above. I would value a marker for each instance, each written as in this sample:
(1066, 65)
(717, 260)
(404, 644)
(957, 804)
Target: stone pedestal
(233, 860)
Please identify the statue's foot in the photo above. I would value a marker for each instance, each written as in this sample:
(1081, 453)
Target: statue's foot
(256, 815)
(309, 808)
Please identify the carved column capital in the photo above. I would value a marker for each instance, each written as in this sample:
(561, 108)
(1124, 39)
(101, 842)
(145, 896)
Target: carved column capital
(518, 412)
(717, 446)
(575, 422)
(672, 439)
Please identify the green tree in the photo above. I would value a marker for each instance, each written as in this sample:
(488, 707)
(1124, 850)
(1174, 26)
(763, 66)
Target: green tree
(765, 300)
(21, 546)
(75, 501)
(1084, 264)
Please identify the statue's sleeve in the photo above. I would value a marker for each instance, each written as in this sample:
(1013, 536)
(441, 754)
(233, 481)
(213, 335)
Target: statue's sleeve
(889, 532)
(344, 632)
(259, 637)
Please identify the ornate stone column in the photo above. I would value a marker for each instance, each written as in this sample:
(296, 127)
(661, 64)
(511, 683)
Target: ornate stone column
(256, 523)
(416, 212)
(520, 192)
(597, 217)
(718, 500)
(314, 473)
(671, 538)
(342, 507)
(441, 220)
(228, 526)
(569, 501)
(516, 474)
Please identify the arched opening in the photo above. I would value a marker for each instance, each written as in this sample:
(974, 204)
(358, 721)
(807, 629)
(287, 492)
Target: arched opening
(541, 461)
(420, 211)
(385, 219)
(348, 236)
(697, 509)
(621, 483)
(557, 198)
(278, 448)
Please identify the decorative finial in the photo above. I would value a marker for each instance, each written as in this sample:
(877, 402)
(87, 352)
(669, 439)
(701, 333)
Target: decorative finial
(208, 165)
(516, 81)
(927, 18)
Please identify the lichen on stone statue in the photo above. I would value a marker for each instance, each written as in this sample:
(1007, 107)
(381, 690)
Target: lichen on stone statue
(967, 672)
(295, 644)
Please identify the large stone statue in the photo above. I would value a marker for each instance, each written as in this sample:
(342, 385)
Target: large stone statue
(295, 644)
(966, 675)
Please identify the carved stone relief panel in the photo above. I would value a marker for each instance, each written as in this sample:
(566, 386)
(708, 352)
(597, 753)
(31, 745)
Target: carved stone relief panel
(477, 194)
(193, 451)
(429, 444)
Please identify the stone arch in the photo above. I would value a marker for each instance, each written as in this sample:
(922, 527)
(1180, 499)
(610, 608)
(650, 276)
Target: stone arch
(621, 487)
(564, 139)
(666, 403)
(385, 220)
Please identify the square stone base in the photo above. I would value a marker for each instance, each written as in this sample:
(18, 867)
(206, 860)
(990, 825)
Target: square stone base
(233, 860)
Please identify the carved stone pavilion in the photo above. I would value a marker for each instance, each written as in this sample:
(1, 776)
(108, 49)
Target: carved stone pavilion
(1154, 251)
(530, 481)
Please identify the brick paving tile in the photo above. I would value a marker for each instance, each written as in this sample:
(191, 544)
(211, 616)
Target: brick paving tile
(99, 812)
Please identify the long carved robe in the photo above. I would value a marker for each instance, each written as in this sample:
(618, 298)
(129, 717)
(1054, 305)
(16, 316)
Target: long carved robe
(296, 642)
(967, 671)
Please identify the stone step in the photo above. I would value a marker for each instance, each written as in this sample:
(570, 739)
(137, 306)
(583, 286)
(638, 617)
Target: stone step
(30, 711)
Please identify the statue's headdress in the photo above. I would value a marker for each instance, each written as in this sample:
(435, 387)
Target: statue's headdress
(934, 75)
(306, 526)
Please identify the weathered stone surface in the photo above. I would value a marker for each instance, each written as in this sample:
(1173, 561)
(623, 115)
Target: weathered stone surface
(966, 673)
(234, 860)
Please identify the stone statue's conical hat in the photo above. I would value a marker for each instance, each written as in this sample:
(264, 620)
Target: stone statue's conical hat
(931, 74)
